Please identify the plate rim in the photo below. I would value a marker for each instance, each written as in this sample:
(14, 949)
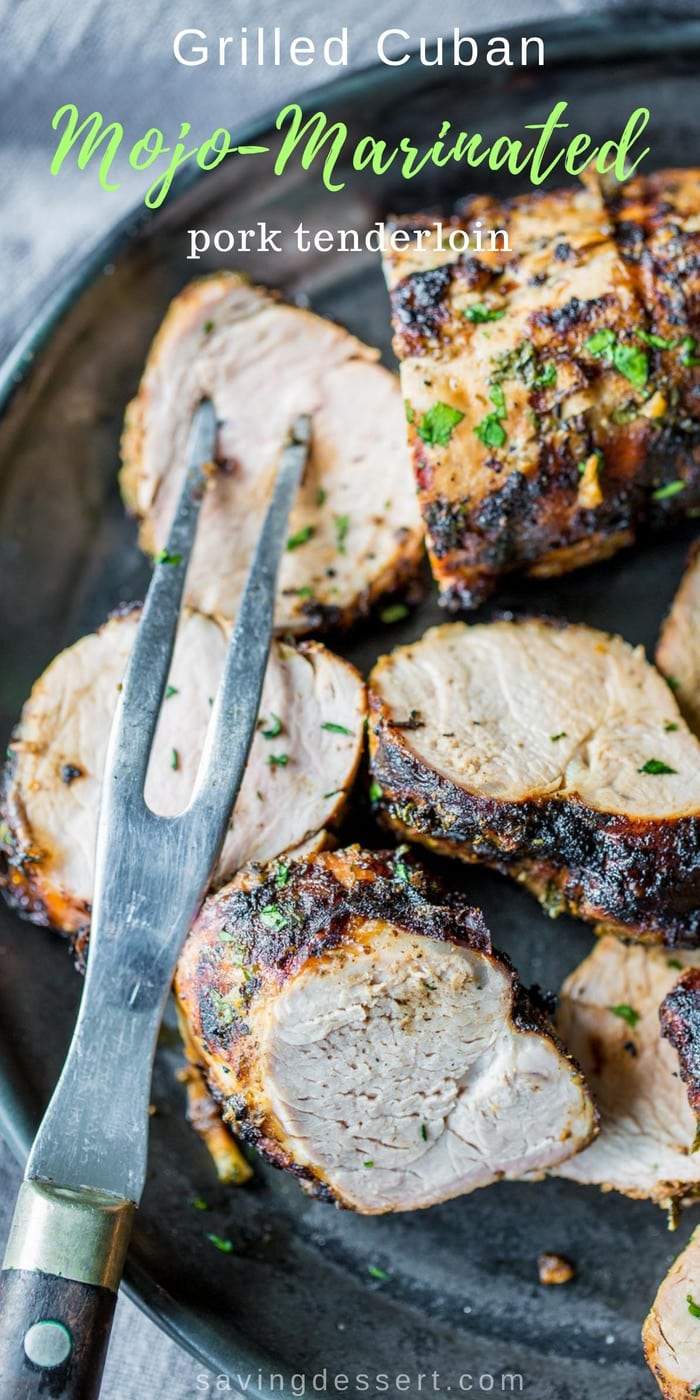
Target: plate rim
(634, 35)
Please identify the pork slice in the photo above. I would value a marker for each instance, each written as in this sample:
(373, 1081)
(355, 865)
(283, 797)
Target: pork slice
(302, 762)
(354, 532)
(554, 753)
(609, 1019)
(358, 1028)
(678, 650)
(552, 389)
(671, 1333)
(680, 1025)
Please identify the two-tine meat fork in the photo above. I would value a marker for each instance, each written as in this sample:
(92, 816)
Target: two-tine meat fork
(87, 1168)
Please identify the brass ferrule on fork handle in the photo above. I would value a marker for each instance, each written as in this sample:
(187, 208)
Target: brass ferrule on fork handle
(80, 1235)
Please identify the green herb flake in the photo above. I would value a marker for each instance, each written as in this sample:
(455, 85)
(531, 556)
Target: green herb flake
(199, 1203)
(626, 1013)
(479, 313)
(174, 760)
(675, 964)
(272, 917)
(670, 727)
(223, 1008)
(380, 1274)
(695, 1145)
(335, 793)
(547, 375)
(274, 727)
(438, 424)
(631, 362)
(225, 1246)
(335, 728)
(491, 432)
(321, 496)
(402, 871)
(281, 874)
(693, 1307)
(395, 612)
(165, 557)
(688, 351)
(663, 493)
(424, 1132)
(656, 767)
(170, 690)
(301, 537)
(375, 791)
(600, 343)
(368, 1164)
(556, 737)
(409, 410)
(225, 936)
(278, 760)
(208, 327)
(658, 342)
(305, 591)
(498, 398)
(342, 525)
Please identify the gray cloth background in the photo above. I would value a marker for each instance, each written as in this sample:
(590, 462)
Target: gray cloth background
(116, 57)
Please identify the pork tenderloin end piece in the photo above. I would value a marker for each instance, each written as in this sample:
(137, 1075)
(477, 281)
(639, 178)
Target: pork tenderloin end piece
(554, 753)
(355, 531)
(552, 390)
(359, 1030)
(678, 650)
(608, 1018)
(679, 1015)
(302, 762)
(671, 1333)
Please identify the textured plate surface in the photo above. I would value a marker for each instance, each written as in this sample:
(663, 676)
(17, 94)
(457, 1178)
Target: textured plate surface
(296, 1295)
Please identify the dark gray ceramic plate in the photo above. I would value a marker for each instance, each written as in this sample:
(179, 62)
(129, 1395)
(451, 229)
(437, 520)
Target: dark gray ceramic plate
(462, 1294)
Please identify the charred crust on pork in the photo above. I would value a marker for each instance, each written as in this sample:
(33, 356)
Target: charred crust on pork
(679, 1015)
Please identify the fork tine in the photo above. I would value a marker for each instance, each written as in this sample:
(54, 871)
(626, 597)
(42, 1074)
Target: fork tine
(238, 698)
(149, 663)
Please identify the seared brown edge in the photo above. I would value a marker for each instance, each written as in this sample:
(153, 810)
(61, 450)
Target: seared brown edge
(679, 1015)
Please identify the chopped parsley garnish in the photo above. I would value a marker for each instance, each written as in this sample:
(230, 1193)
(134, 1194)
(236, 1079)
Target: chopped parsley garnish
(174, 760)
(321, 496)
(670, 727)
(438, 424)
(556, 737)
(281, 874)
(273, 917)
(662, 493)
(402, 871)
(301, 537)
(498, 398)
(693, 1307)
(490, 431)
(480, 313)
(274, 727)
(375, 791)
(395, 612)
(199, 1203)
(170, 690)
(223, 1008)
(628, 360)
(208, 327)
(165, 557)
(335, 728)
(626, 1013)
(410, 411)
(659, 342)
(278, 760)
(688, 351)
(548, 375)
(424, 1132)
(342, 525)
(224, 1245)
(675, 964)
(656, 767)
(305, 592)
(368, 1164)
(374, 1272)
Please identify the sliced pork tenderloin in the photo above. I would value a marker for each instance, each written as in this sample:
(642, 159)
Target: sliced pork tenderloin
(554, 753)
(301, 766)
(671, 1333)
(678, 650)
(355, 531)
(358, 1028)
(608, 1018)
(552, 387)
(680, 1025)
